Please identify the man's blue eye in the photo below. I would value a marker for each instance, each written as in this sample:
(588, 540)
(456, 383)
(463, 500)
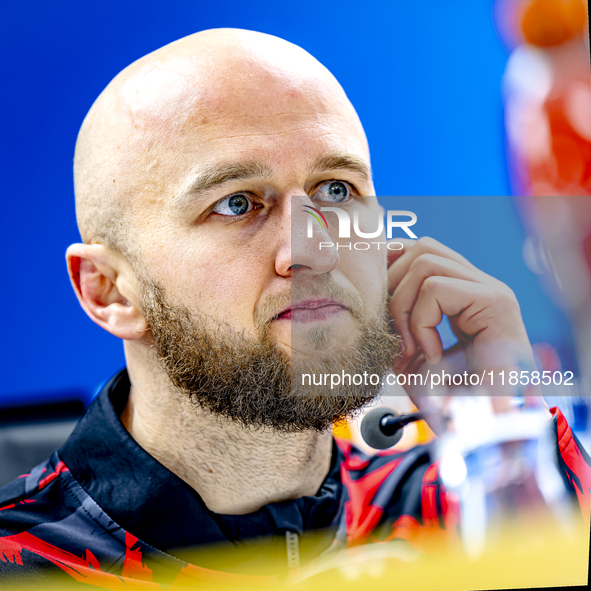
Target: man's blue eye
(335, 191)
(233, 206)
(238, 204)
(338, 191)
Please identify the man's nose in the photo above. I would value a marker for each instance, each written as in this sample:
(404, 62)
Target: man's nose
(303, 253)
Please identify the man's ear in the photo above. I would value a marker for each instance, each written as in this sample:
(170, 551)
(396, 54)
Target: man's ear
(105, 290)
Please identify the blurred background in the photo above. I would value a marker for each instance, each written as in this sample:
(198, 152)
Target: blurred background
(486, 101)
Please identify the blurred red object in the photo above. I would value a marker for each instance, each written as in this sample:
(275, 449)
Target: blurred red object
(547, 98)
(547, 92)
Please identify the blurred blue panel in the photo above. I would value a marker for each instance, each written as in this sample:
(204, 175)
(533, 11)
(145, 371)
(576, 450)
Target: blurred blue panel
(448, 338)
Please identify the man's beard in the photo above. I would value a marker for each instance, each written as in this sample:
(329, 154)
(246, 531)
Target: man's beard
(252, 381)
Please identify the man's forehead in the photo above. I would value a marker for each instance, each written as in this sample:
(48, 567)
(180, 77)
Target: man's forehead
(215, 96)
(205, 109)
(209, 88)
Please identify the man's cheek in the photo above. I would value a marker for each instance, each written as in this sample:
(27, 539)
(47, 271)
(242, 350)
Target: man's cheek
(227, 291)
(367, 271)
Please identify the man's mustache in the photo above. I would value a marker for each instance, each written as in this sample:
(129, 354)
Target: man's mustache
(305, 289)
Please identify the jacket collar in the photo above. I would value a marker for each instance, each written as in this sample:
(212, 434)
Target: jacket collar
(149, 501)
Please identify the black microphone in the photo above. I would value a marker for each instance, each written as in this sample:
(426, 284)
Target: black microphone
(382, 428)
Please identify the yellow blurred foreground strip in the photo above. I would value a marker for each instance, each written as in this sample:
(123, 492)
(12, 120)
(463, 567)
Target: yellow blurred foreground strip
(523, 557)
(529, 565)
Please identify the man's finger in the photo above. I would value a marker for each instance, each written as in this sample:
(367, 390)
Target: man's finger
(406, 292)
(394, 255)
(400, 265)
(469, 302)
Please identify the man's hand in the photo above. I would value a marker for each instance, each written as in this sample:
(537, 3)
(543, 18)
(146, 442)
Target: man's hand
(428, 280)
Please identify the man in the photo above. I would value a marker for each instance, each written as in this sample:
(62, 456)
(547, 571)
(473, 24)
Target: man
(191, 172)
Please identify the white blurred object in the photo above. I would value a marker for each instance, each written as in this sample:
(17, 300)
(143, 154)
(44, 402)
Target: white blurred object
(504, 472)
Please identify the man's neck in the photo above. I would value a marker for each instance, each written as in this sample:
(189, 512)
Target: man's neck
(234, 470)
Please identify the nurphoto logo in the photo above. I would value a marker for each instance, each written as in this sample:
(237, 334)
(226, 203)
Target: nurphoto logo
(394, 219)
(316, 216)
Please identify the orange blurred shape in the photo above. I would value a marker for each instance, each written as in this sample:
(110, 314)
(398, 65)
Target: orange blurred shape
(568, 170)
(424, 432)
(571, 151)
(551, 22)
(342, 430)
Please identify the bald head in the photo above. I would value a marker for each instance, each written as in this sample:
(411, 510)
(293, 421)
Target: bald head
(169, 115)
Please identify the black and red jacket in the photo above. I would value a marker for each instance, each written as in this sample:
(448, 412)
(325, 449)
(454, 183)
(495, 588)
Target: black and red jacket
(102, 511)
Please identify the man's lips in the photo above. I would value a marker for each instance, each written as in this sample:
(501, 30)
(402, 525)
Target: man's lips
(311, 310)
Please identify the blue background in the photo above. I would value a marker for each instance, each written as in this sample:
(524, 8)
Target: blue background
(424, 77)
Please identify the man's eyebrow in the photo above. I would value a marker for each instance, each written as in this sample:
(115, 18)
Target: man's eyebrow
(214, 177)
(342, 162)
